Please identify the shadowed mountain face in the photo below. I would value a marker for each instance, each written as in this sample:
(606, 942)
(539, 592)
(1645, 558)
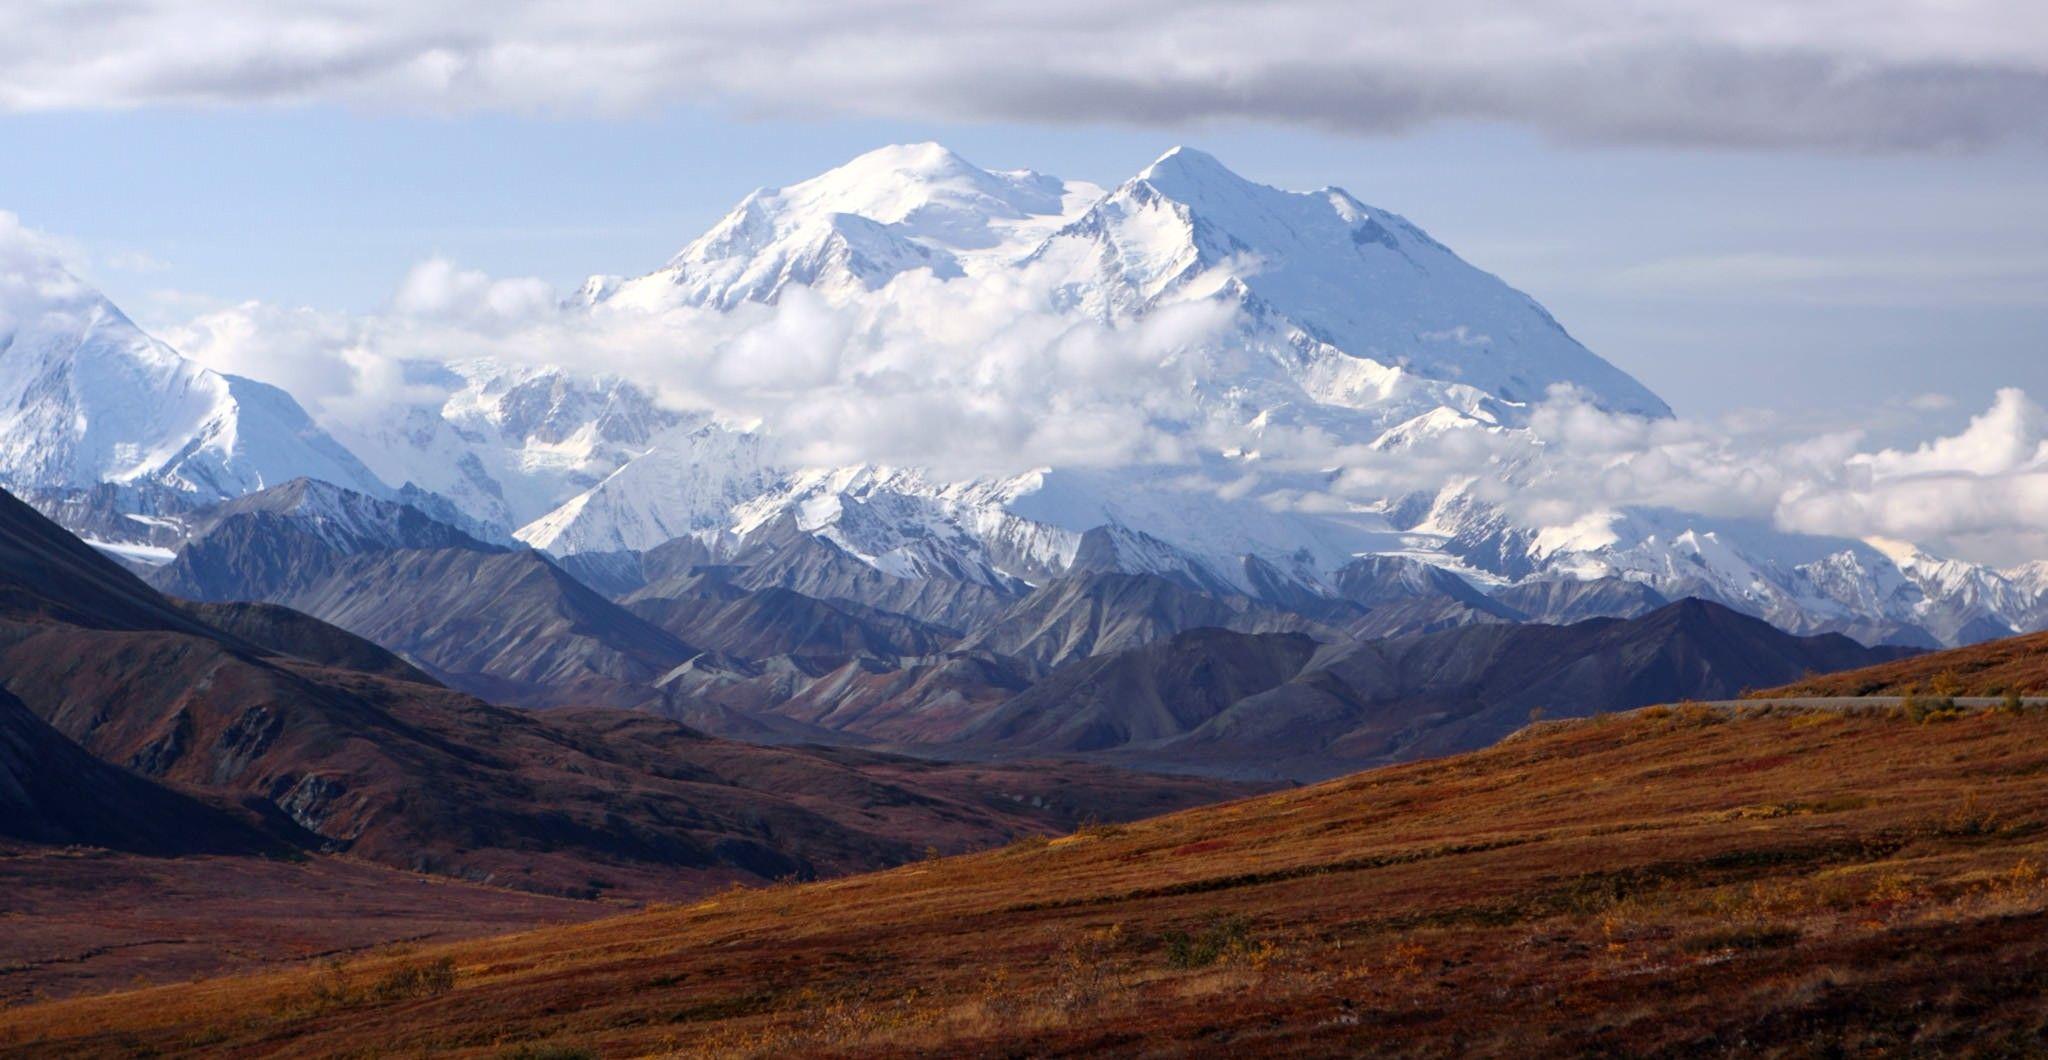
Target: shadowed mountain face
(1146, 694)
(277, 541)
(1231, 702)
(713, 613)
(1563, 601)
(400, 771)
(1406, 659)
(47, 575)
(51, 791)
(1094, 614)
(505, 624)
(288, 632)
(1145, 669)
(819, 569)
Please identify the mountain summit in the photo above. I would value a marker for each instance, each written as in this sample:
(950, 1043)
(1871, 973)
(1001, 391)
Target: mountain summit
(1351, 297)
(1342, 319)
(1341, 277)
(853, 229)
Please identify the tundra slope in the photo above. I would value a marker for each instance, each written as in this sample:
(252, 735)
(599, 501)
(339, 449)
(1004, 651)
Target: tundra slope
(1662, 883)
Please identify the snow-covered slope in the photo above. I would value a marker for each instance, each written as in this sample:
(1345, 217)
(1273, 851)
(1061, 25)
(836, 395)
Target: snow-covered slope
(1363, 293)
(510, 444)
(1337, 320)
(690, 481)
(2030, 577)
(1347, 319)
(849, 231)
(87, 397)
(1876, 591)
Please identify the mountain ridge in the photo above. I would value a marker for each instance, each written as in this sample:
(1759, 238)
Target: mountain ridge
(1346, 322)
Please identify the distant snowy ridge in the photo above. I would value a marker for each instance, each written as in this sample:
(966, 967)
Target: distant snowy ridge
(87, 397)
(1340, 321)
(1352, 320)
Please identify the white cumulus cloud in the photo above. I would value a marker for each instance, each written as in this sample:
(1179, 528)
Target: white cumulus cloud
(966, 377)
(977, 377)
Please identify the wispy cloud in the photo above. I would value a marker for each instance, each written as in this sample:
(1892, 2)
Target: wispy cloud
(1871, 278)
(1882, 75)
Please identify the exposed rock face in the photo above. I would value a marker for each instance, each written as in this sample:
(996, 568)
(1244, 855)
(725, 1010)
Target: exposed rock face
(52, 791)
(1563, 601)
(1240, 703)
(274, 542)
(96, 668)
(1076, 617)
(493, 621)
(1145, 694)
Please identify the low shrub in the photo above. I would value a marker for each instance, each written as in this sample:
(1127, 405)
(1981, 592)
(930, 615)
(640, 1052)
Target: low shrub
(547, 1051)
(1968, 821)
(1223, 938)
(1086, 975)
(336, 988)
(1745, 937)
(1920, 709)
(418, 980)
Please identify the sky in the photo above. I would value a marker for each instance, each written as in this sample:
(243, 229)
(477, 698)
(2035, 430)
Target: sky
(1847, 201)
(1835, 209)
(1722, 278)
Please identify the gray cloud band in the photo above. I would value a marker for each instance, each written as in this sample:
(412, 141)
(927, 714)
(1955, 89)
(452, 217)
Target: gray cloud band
(1888, 75)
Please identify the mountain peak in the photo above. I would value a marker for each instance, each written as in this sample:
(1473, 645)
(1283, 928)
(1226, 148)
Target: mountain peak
(1181, 158)
(89, 397)
(1185, 172)
(897, 183)
(928, 156)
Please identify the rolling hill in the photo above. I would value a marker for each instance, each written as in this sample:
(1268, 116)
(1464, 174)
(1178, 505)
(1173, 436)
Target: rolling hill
(1231, 703)
(1668, 882)
(385, 765)
(2015, 664)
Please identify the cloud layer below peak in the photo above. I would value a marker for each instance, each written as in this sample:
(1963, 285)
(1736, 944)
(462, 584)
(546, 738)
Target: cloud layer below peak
(974, 379)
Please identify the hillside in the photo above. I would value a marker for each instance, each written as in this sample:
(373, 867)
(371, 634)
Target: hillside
(1271, 705)
(134, 705)
(52, 792)
(2015, 664)
(1659, 883)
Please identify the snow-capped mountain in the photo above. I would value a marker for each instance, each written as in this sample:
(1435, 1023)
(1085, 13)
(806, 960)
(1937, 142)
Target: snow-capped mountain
(690, 481)
(850, 231)
(1876, 591)
(1347, 318)
(1362, 295)
(1340, 321)
(2030, 577)
(510, 444)
(86, 397)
